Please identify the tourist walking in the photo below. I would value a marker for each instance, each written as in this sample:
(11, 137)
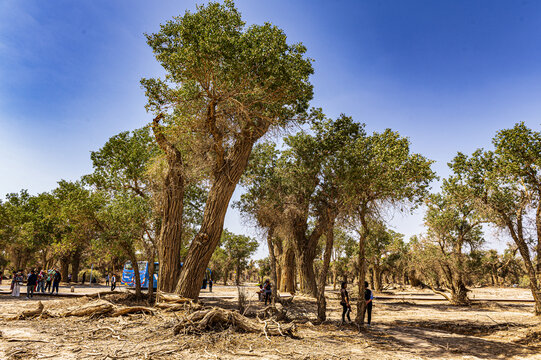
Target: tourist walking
(344, 301)
(107, 280)
(210, 285)
(113, 282)
(368, 297)
(57, 277)
(31, 282)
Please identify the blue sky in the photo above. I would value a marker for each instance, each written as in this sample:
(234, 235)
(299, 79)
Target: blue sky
(446, 74)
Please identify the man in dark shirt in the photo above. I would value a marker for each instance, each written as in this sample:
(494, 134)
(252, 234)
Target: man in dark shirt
(57, 277)
(31, 284)
(368, 297)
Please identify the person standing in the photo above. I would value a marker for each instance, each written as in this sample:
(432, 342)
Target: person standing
(41, 282)
(48, 282)
(57, 277)
(107, 280)
(69, 278)
(1, 276)
(31, 282)
(368, 297)
(113, 282)
(268, 291)
(210, 285)
(84, 278)
(16, 284)
(344, 301)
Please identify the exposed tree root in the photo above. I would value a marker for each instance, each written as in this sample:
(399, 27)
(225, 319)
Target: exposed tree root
(179, 307)
(277, 312)
(132, 310)
(171, 298)
(217, 318)
(28, 314)
(97, 308)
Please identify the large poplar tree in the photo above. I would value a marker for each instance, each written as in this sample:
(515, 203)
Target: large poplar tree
(226, 85)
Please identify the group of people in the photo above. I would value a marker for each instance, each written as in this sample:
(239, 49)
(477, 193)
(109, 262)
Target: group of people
(265, 291)
(346, 306)
(36, 281)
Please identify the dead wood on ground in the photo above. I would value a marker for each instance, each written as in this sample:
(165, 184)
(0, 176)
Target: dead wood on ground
(218, 319)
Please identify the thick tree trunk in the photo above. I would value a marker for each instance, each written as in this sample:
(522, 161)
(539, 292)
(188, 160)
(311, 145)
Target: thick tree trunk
(459, 292)
(64, 267)
(75, 262)
(274, 274)
(305, 262)
(305, 253)
(278, 257)
(170, 238)
(287, 282)
(203, 245)
(170, 241)
(321, 301)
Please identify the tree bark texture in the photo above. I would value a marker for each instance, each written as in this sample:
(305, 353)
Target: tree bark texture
(64, 267)
(361, 304)
(208, 237)
(75, 262)
(321, 302)
(274, 276)
(170, 239)
(136, 274)
(287, 282)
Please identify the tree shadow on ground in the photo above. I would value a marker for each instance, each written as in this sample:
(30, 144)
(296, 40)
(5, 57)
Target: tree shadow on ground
(475, 307)
(436, 344)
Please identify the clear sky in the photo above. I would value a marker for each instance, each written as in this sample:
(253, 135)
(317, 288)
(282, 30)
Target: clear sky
(446, 74)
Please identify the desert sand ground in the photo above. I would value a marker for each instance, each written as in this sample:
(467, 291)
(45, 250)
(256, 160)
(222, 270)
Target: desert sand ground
(403, 328)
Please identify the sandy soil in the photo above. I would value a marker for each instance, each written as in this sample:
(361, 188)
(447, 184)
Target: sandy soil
(402, 329)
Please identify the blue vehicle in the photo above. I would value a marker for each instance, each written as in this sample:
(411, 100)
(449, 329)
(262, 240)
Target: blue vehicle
(128, 278)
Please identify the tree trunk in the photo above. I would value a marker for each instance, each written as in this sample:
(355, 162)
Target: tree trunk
(151, 274)
(378, 286)
(208, 237)
(226, 277)
(361, 304)
(278, 252)
(287, 283)
(75, 262)
(321, 301)
(237, 274)
(170, 239)
(136, 274)
(64, 267)
(274, 275)
(305, 261)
